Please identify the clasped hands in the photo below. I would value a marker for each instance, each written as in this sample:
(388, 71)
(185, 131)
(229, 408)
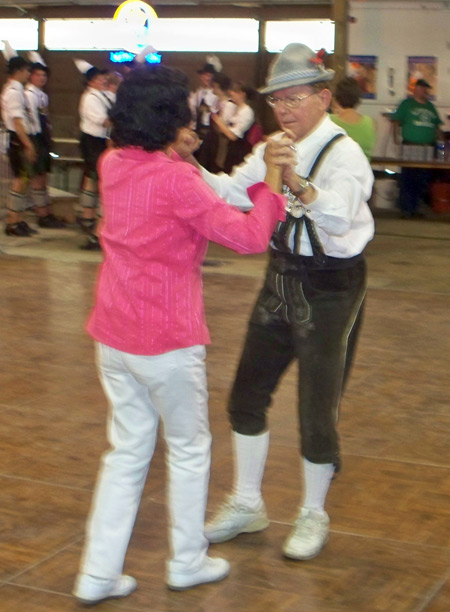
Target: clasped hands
(281, 159)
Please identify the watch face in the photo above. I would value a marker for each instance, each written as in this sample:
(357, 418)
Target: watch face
(304, 184)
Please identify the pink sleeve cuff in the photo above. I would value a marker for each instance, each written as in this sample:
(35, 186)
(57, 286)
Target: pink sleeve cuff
(260, 192)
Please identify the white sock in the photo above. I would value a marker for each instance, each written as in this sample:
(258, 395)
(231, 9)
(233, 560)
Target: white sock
(16, 202)
(317, 482)
(88, 199)
(39, 198)
(250, 460)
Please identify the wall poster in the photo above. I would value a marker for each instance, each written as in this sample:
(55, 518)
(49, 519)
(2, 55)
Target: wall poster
(363, 68)
(422, 67)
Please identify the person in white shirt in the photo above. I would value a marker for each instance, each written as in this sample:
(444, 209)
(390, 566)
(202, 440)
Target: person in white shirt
(37, 101)
(310, 307)
(94, 126)
(221, 84)
(22, 151)
(235, 125)
(202, 103)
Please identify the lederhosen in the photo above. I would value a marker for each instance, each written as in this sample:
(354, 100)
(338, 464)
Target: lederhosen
(205, 154)
(93, 146)
(20, 166)
(309, 308)
(42, 142)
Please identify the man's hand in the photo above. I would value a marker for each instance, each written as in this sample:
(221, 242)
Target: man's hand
(186, 143)
(280, 152)
(279, 155)
(30, 153)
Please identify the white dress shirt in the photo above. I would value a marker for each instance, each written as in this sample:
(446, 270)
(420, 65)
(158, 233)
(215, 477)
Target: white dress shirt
(93, 109)
(14, 106)
(343, 184)
(37, 101)
(111, 95)
(203, 94)
(241, 120)
(226, 110)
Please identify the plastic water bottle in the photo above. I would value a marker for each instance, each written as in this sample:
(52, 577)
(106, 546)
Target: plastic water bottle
(440, 150)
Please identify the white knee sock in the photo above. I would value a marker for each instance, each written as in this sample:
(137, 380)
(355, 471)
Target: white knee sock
(317, 482)
(39, 198)
(88, 199)
(16, 202)
(250, 460)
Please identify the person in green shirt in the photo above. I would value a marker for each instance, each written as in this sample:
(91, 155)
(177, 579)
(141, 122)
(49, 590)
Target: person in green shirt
(418, 121)
(417, 117)
(361, 128)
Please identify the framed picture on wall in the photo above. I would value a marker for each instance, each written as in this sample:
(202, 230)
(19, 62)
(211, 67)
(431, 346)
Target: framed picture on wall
(422, 67)
(363, 68)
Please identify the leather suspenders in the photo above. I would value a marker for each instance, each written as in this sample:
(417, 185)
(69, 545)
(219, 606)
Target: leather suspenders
(282, 233)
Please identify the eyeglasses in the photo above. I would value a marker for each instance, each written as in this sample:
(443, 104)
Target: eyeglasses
(289, 101)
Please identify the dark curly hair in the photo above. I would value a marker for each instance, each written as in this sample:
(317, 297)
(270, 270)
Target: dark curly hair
(151, 105)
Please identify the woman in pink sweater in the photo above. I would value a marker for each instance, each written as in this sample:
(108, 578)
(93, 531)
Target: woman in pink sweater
(150, 331)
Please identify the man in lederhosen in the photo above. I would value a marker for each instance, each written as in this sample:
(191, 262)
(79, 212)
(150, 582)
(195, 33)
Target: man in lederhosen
(94, 126)
(311, 305)
(203, 101)
(22, 150)
(37, 101)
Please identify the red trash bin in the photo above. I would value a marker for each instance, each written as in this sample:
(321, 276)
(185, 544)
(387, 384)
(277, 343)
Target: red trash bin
(440, 197)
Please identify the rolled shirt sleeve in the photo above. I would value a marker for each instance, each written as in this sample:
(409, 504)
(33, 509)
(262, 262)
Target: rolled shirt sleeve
(13, 106)
(341, 187)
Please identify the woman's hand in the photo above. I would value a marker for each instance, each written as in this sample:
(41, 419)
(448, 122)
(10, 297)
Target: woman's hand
(215, 117)
(186, 143)
(30, 153)
(222, 127)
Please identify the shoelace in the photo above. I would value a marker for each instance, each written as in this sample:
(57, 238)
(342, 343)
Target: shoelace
(305, 526)
(225, 509)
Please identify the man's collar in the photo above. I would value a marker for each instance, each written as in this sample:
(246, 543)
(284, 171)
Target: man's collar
(316, 134)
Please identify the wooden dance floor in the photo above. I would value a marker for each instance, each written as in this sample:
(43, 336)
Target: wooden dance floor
(389, 547)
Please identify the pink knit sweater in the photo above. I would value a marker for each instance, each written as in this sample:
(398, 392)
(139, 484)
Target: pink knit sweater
(158, 217)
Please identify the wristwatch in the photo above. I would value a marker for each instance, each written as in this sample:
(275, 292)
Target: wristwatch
(304, 185)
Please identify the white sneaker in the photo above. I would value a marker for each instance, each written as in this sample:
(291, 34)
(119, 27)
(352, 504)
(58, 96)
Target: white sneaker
(91, 590)
(309, 536)
(213, 570)
(233, 519)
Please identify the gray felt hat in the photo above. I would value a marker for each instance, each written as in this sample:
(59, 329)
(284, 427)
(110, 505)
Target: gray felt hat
(296, 65)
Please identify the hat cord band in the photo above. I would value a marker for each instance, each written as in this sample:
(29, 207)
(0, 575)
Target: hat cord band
(290, 76)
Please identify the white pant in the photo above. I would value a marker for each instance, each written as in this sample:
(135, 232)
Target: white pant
(140, 389)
